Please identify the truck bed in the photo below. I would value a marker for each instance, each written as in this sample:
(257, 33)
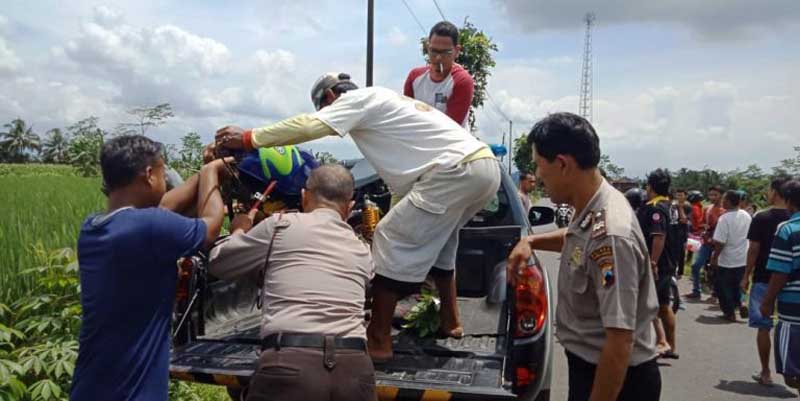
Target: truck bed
(471, 367)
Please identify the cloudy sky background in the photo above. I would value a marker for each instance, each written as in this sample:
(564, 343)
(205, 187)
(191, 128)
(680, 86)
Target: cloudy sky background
(678, 83)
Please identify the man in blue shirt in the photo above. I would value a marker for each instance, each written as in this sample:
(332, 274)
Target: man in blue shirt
(784, 284)
(128, 269)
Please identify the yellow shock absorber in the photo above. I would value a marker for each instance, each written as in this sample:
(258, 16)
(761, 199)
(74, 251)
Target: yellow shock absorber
(371, 215)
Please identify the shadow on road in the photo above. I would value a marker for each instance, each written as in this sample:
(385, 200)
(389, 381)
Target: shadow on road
(714, 320)
(755, 389)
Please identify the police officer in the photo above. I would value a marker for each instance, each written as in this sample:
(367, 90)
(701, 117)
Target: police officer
(606, 295)
(314, 272)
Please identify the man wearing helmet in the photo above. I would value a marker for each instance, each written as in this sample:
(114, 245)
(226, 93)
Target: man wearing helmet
(444, 174)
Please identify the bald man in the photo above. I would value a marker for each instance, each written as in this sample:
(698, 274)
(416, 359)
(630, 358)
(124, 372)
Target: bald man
(315, 274)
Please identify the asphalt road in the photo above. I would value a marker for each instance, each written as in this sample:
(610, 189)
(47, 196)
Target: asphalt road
(716, 358)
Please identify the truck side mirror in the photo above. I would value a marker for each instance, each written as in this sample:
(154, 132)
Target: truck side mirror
(541, 215)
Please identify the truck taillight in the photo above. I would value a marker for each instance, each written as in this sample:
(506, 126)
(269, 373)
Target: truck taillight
(185, 268)
(524, 376)
(530, 306)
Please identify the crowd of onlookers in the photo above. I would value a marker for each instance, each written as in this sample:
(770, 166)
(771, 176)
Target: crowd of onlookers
(734, 251)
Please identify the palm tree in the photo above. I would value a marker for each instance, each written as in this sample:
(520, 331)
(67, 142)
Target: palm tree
(54, 148)
(18, 140)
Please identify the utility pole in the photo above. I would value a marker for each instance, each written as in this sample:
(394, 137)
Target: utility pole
(370, 31)
(510, 146)
(585, 103)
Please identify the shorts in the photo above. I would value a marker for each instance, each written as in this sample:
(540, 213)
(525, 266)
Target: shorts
(787, 349)
(757, 293)
(663, 288)
(421, 231)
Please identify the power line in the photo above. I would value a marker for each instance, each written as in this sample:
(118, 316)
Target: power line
(439, 9)
(496, 107)
(410, 11)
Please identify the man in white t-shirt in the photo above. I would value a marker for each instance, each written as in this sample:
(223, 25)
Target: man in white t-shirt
(444, 174)
(730, 253)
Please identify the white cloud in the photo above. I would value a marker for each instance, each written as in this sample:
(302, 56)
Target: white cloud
(731, 19)
(396, 37)
(9, 62)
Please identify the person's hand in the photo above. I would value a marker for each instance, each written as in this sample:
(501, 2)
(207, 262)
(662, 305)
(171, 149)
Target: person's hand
(766, 309)
(209, 152)
(518, 258)
(230, 137)
(744, 284)
(243, 222)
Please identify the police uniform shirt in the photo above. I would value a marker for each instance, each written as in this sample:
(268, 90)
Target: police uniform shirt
(317, 274)
(655, 219)
(605, 280)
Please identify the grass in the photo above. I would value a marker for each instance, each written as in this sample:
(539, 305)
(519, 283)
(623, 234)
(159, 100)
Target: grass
(43, 204)
(46, 204)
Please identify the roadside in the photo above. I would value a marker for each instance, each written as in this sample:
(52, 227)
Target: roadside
(716, 358)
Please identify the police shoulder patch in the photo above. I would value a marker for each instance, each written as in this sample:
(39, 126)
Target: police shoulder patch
(607, 272)
(599, 227)
(602, 252)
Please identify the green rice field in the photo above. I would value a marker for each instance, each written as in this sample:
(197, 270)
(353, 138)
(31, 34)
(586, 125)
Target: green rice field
(41, 204)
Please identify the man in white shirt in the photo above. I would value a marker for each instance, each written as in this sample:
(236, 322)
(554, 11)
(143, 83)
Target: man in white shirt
(730, 253)
(443, 174)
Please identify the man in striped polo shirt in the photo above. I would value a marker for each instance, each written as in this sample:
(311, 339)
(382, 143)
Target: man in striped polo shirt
(784, 284)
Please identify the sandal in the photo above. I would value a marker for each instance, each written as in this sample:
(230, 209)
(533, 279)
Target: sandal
(670, 355)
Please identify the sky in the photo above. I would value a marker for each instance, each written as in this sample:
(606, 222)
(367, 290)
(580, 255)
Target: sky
(677, 83)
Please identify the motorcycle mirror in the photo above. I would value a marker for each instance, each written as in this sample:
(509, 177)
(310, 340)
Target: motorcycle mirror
(541, 215)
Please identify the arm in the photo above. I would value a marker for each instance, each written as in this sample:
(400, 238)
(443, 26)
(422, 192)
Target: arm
(682, 214)
(718, 246)
(210, 207)
(408, 87)
(613, 365)
(658, 249)
(551, 241)
(298, 129)
(776, 283)
(181, 198)
(752, 255)
(242, 254)
(461, 98)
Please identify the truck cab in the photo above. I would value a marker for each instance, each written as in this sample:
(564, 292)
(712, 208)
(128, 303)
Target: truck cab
(506, 351)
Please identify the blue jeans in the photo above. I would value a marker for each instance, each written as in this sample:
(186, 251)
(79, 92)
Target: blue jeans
(700, 260)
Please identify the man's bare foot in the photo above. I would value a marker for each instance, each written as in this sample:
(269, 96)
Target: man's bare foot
(455, 332)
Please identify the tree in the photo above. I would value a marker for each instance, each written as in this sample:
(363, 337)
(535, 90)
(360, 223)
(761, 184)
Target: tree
(55, 146)
(189, 158)
(84, 149)
(146, 117)
(613, 171)
(789, 166)
(19, 141)
(523, 159)
(476, 57)
(325, 158)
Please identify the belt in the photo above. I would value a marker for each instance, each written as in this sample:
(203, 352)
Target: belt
(312, 341)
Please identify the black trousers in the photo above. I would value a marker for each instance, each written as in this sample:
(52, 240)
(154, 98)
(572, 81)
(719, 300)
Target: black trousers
(642, 382)
(727, 285)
